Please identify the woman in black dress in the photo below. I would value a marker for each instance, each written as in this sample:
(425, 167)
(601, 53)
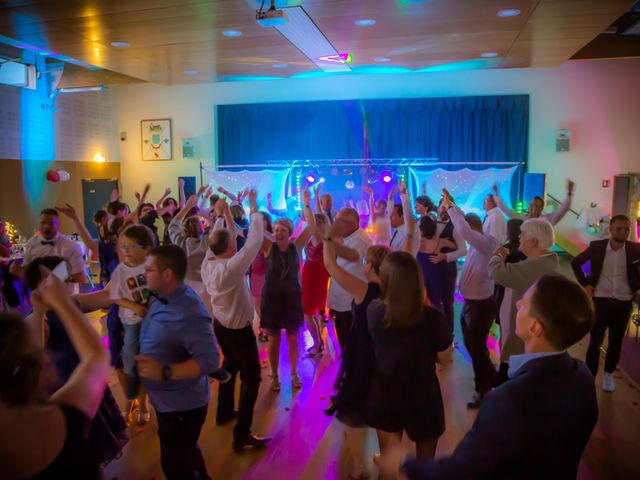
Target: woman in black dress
(407, 336)
(64, 418)
(354, 375)
(282, 293)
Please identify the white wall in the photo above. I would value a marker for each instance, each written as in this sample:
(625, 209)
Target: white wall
(598, 101)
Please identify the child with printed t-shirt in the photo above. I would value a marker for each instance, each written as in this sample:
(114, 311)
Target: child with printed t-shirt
(128, 290)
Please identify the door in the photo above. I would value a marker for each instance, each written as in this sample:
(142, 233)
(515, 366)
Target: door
(95, 196)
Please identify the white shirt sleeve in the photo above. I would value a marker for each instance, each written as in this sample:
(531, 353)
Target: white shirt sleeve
(75, 262)
(240, 262)
(461, 251)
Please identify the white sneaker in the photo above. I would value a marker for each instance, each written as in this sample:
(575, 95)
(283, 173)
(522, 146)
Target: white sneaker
(608, 385)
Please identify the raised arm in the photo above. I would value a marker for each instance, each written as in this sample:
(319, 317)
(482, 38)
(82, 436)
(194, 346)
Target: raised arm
(318, 205)
(241, 261)
(70, 212)
(164, 196)
(176, 233)
(311, 228)
(411, 242)
(229, 195)
(85, 388)
(555, 217)
(205, 193)
(369, 191)
(501, 205)
(352, 284)
(181, 196)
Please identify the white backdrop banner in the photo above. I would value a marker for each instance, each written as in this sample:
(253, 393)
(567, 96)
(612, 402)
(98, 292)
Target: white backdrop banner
(468, 187)
(263, 181)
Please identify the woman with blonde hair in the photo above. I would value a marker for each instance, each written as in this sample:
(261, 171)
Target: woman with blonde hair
(282, 293)
(406, 335)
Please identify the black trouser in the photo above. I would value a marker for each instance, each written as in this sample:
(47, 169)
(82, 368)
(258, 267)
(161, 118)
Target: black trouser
(342, 321)
(614, 315)
(477, 317)
(448, 286)
(180, 455)
(240, 356)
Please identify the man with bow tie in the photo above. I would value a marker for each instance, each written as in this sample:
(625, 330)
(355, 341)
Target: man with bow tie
(52, 243)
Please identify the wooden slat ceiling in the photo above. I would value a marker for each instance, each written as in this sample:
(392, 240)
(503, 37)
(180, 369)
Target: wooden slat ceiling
(170, 36)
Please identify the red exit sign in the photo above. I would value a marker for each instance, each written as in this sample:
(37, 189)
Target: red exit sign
(606, 183)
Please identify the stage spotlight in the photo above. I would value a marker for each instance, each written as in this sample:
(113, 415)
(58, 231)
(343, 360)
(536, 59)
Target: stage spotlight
(349, 184)
(386, 178)
(311, 178)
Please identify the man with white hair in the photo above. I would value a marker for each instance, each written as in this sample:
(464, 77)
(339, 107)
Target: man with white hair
(536, 240)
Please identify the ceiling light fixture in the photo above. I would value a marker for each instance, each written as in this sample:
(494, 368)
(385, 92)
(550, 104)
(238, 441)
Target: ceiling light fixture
(489, 54)
(508, 12)
(365, 22)
(280, 65)
(120, 44)
(231, 33)
(305, 35)
(382, 59)
(97, 88)
(190, 72)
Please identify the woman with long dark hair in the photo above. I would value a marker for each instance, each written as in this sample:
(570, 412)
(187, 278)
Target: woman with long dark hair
(407, 336)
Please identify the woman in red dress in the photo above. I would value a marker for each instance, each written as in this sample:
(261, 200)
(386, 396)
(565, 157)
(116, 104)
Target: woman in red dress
(314, 286)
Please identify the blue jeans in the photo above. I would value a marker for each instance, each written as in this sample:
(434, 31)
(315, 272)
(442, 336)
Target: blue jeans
(130, 349)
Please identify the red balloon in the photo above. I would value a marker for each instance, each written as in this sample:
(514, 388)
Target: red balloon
(53, 176)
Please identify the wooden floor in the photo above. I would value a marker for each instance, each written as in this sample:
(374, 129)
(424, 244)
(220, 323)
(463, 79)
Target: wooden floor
(309, 445)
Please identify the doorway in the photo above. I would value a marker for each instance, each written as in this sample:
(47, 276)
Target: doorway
(95, 196)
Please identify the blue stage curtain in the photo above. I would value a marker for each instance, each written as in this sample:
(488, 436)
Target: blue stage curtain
(459, 129)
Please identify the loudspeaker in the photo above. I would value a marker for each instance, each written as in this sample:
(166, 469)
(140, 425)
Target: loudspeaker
(189, 148)
(535, 185)
(563, 141)
(621, 187)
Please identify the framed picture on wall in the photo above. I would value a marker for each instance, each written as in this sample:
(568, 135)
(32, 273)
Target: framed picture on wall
(156, 139)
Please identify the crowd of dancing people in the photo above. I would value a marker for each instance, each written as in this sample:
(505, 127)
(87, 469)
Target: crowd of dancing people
(182, 304)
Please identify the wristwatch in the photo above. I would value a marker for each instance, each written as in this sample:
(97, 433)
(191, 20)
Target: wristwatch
(167, 371)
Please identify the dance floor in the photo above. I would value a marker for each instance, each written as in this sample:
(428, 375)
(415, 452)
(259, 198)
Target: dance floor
(307, 444)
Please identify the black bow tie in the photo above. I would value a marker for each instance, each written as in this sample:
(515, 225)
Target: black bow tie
(48, 242)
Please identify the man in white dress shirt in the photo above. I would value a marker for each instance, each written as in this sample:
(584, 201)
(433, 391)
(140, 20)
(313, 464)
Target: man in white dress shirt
(477, 289)
(494, 223)
(397, 220)
(223, 274)
(351, 244)
(51, 243)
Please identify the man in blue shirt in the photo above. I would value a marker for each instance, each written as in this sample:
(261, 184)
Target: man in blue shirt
(177, 351)
(537, 424)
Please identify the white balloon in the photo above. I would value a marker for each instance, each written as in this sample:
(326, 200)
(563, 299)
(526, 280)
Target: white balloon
(64, 175)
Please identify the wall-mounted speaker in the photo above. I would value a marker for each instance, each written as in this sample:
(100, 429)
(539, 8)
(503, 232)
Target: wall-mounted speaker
(563, 141)
(535, 185)
(189, 148)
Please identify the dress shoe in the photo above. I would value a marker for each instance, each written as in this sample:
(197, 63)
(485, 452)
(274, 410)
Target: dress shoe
(608, 385)
(475, 402)
(220, 420)
(250, 441)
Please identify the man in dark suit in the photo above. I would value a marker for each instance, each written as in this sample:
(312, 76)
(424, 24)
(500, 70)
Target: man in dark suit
(614, 284)
(536, 424)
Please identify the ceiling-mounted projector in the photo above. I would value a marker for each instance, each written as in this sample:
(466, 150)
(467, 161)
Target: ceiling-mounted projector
(271, 17)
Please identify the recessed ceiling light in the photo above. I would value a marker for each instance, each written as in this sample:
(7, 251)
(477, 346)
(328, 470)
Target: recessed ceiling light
(364, 22)
(382, 59)
(279, 65)
(120, 44)
(509, 12)
(190, 72)
(231, 33)
(489, 54)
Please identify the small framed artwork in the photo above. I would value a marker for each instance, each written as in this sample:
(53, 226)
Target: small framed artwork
(156, 139)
